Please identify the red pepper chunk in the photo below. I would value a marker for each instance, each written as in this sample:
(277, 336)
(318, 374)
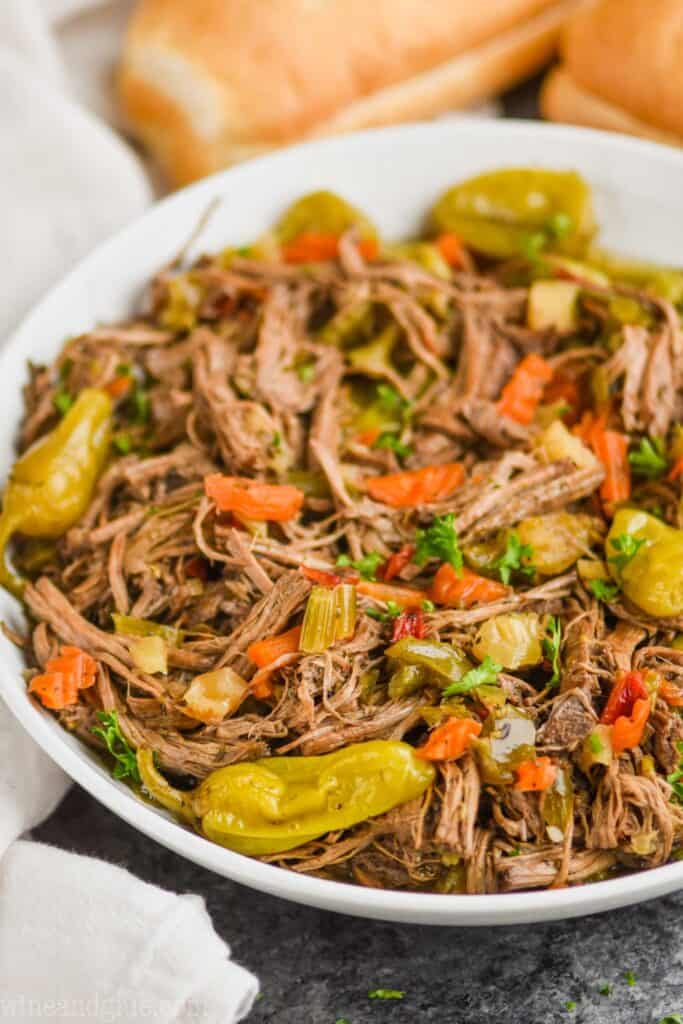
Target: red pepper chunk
(397, 562)
(410, 622)
(321, 577)
(64, 676)
(627, 731)
(629, 687)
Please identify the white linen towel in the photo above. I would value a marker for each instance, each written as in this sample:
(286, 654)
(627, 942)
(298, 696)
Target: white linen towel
(79, 939)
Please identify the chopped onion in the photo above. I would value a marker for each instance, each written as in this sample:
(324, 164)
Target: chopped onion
(149, 654)
(213, 696)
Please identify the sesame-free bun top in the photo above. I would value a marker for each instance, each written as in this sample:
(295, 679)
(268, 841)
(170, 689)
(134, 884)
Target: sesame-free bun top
(206, 82)
(622, 68)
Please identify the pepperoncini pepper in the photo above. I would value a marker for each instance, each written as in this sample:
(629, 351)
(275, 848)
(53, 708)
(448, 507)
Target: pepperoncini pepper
(652, 578)
(507, 740)
(497, 212)
(277, 803)
(441, 663)
(51, 484)
(323, 213)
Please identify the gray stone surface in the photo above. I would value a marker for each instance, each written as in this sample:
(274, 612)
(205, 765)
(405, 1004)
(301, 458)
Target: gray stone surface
(317, 968)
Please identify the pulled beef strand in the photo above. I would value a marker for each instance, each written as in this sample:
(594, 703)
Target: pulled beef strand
(247, 383)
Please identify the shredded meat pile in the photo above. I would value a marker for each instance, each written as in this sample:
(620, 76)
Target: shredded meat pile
(266, 371)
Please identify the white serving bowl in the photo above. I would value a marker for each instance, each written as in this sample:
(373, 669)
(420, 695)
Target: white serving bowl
(394, 174)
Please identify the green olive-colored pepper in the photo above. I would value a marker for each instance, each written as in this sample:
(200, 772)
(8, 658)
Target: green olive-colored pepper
(424, 254)
(666, 282)
(496, 212)
(444, 663)
(652, 578)
(277, 803)
(558, 804)
(407, 679)
(558, 539)
(324, 213)
(507, 740)
(50, 486)
(512, 639)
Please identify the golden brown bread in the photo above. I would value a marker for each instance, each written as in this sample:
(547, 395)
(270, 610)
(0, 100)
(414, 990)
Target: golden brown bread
(622, 70)
(209, 82)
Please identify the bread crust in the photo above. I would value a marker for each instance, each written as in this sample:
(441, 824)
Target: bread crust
(563, 99)
(629, 53)
(207, 83)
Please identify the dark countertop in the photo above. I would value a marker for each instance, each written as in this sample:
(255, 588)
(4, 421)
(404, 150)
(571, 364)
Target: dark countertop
(317, 967)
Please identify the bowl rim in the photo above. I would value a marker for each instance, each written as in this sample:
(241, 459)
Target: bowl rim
(409, 907)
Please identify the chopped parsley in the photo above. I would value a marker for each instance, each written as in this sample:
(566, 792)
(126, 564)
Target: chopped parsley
(367, 566)
(305, 372)
(140, 405)
(552, 642)
(595, 744)
(511, 559)
(392, 612)
(276, 441)
(439, 540)
(675, 779)
(560, 224)
(605, 990)
(126, 763)
(515, 852)
(482, 675)
(390, 400)
(386, 993)
(630, 978)
(571, 1005)
(393, 442)
(63, 402)
(649, 458)
(603, 590)
(341, 1020)
(122, 443)
(673, 1018)
(428, 606)
(627, 547)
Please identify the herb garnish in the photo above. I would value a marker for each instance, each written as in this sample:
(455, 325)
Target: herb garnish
(428, 606)
(605, 990)
(386, 993)
(627, 546)
(367, 566)
(511, 559)
(571, 1006)
(649, 459)
(439, 540)
(63, 402)
(482, 675)
(551, 647)
(674, 779)
(126, 765)
(122, 443)
(392, 612)
(392, 441)
(391, 401)
(630, 978)
(603, 590)
(305, 372)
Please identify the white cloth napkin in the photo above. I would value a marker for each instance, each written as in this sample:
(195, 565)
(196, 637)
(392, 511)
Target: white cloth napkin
(79, 939)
